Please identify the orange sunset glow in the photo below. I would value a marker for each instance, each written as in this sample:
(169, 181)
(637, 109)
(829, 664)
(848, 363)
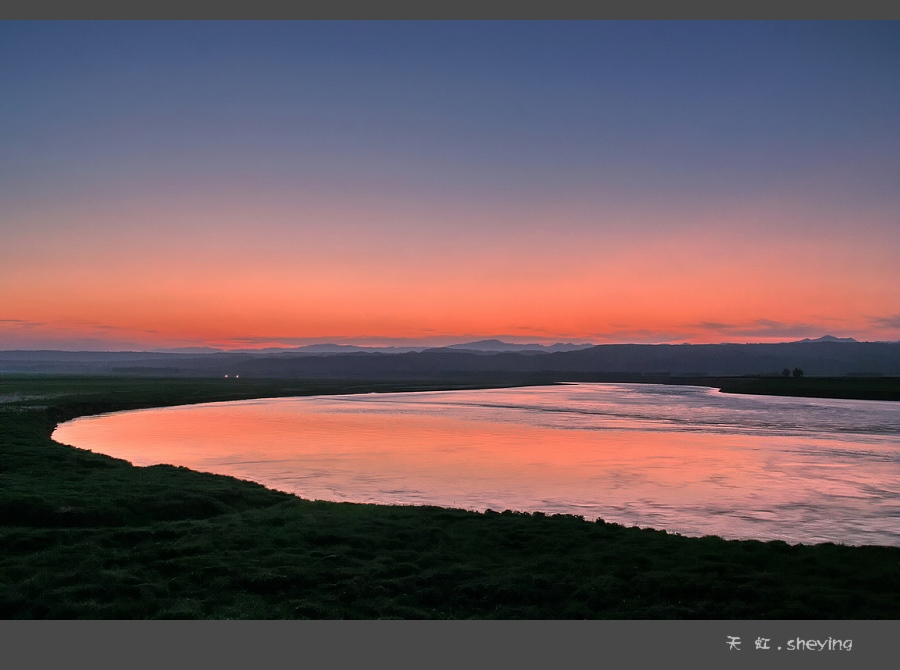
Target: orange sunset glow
(353, 199)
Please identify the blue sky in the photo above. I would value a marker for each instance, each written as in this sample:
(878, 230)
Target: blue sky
(400, 138)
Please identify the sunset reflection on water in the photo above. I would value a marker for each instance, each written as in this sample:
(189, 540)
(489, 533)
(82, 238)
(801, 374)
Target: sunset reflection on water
(683, 459)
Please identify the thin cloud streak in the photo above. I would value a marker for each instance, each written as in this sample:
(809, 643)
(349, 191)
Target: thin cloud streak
(891, 322)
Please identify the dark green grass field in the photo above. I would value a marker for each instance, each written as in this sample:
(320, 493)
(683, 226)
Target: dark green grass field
(88, 536)
(854, 388)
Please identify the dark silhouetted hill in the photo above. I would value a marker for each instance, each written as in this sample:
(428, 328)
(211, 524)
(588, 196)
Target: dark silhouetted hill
(815, 358)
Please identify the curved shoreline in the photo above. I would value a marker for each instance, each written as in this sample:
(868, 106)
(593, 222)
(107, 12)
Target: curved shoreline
(87, 536)
(283, 444)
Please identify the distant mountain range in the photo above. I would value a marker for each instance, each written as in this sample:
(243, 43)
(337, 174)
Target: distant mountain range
(828, 338)
(486, 361)
(497, 346)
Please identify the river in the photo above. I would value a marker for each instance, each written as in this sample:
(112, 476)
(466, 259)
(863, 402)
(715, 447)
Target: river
(685, 459)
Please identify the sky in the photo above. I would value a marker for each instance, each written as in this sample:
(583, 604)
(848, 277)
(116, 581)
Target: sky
(255, 184)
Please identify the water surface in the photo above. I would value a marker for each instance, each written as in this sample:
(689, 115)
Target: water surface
(685, 459)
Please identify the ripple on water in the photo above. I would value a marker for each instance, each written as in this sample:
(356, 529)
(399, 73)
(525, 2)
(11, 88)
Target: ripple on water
(685, 459)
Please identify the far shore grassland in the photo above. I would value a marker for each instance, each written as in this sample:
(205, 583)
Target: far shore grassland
(88, 536)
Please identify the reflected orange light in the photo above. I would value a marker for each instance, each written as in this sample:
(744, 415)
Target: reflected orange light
(623, 469)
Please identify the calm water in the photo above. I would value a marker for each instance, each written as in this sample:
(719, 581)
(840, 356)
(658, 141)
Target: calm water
(685, 459)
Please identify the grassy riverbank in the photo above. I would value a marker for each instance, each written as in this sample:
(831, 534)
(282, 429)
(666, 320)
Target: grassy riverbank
(88, 536)
(853, 388)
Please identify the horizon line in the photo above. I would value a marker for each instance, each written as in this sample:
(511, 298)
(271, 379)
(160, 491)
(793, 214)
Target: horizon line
(199, 349)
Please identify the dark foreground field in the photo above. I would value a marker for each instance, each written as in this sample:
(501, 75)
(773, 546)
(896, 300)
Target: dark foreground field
(88, 536)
